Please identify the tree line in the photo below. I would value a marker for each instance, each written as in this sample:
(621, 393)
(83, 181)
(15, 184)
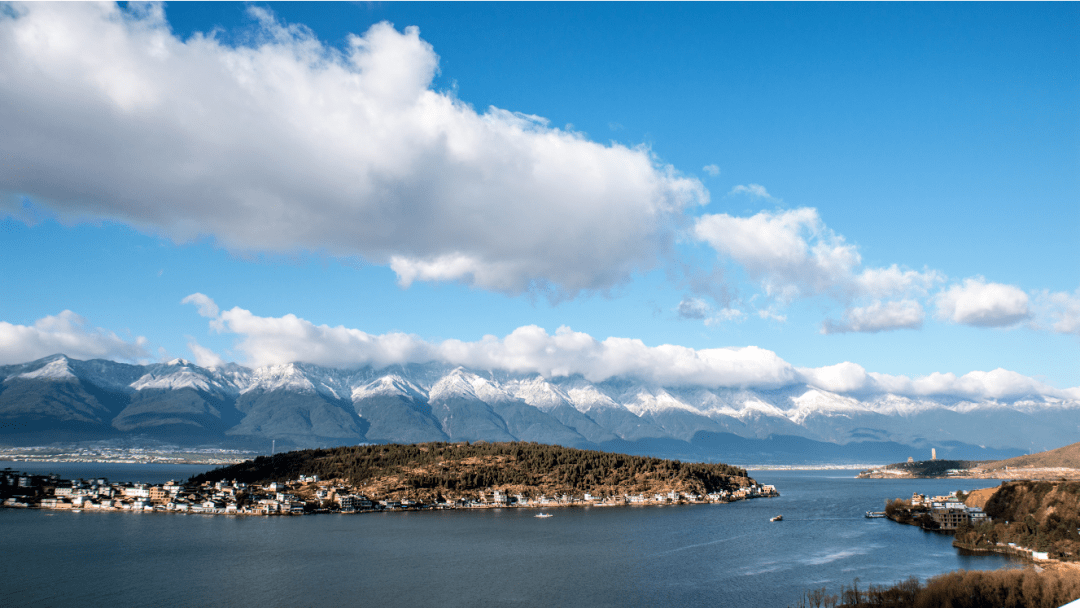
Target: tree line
(459, 467)
(1006, 588)
(1038, 515)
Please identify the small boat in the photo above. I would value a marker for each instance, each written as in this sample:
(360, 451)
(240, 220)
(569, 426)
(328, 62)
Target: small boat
(875, 514)
(778, 518)
(542, 515)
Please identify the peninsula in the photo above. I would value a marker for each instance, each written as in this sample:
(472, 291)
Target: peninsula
(413, 477)
(1061, 463)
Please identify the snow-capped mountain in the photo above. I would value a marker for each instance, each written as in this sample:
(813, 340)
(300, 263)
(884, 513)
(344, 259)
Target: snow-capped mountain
(58, 398)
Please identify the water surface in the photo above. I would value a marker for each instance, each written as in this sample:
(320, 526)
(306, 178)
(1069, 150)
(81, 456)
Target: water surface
(725, 555)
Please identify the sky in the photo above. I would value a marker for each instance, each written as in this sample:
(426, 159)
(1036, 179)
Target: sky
(865, 197)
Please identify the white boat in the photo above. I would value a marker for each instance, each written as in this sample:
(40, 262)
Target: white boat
(543, 515)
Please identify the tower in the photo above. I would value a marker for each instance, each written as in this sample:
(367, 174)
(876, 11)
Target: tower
(933, 453)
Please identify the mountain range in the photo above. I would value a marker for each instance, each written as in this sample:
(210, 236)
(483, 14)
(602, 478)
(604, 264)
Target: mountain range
(59, 399)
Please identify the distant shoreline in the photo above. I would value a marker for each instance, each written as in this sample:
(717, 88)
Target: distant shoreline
(208, 460)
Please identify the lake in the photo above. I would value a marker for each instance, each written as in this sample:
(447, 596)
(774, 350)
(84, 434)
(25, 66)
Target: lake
(723, 555)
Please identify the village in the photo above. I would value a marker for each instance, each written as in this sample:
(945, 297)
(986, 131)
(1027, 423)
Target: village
(304, 495)
(942, 513)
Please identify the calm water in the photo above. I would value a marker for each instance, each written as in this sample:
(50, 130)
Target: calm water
(725, 555)
(142, 473)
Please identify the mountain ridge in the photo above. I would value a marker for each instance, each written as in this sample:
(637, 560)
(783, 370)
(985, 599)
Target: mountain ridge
(310, 405)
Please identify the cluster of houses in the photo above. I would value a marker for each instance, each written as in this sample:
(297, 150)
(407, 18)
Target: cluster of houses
(51, 492)
(497, 498)
(948, 511)
(306, 494)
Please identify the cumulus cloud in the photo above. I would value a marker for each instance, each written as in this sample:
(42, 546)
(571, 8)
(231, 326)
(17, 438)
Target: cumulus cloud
(893, 281)
(711, 170)
(273, 340)
(983, 304)
(843, 377)
(207, 307)
(204, 357)
(878, 316)
(65, 333)
(752, 190)
(998, 384)
(531, 349)
(791, 252)
(288, 145)
(794, 254)
(995, 384)
(1062, 309)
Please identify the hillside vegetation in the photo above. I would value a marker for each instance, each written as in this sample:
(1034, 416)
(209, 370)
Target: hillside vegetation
(1006, 588)
(1063, 457)
(1038, 515)
(428, 469)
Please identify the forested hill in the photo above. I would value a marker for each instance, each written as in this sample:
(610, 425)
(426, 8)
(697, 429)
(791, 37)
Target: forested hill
(1064, 457)
(1038, 515)
(516, 467)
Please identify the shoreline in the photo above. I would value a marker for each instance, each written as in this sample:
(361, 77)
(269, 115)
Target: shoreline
(184, 461)
(230, 461)
(477, 507)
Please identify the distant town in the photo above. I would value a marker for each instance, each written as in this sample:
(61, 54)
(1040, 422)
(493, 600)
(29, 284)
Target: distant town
(304, 495)
(125, 455)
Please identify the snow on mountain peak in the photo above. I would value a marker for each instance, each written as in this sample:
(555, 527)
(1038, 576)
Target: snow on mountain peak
(487, 391)
(656, 401)
(585, 398)
(454, 384)
(286, 376)
(757, 406)
(817, 401)
(184, 378)
(57, 369)
(391, 384)
(538, 393)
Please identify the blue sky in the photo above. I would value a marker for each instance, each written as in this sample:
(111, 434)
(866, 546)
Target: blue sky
(891, 185)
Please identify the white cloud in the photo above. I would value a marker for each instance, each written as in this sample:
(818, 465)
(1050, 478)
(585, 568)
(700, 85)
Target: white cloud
(843, 377)
(995, 384)
(288, 145)
(904, 314)
(752, 190)
(68, 334)
(725, 315)
(207, 307)
(204, 357)
(711, 170)
(1062, 310)
(272, 340)
(893, 281)
(983, 304)
(530, 349)
(791, 252)
(771, 315)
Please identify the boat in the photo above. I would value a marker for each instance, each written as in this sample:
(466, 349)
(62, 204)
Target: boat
(778, 518)
(874, 514)
(542, 515)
